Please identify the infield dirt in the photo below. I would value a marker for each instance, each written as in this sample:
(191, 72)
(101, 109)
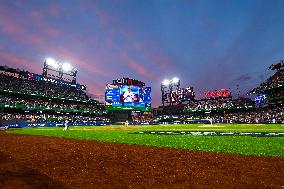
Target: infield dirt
(46, 162)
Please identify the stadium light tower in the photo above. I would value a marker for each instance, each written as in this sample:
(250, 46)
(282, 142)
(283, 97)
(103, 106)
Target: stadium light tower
(61, 68)
(66, 67)
(175, 80)
(166, 82)
(167, 89)
(51, 62)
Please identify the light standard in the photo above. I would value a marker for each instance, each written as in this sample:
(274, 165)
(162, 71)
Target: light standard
(170, 84)
(61, 68)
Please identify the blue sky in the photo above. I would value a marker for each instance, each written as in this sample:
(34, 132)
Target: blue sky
(207, 44)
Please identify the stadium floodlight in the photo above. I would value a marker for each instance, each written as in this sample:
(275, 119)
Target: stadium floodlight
(166, 82)
(51, 62)
(66, 67)
(63, 69)
(167, 88)
(175, 80)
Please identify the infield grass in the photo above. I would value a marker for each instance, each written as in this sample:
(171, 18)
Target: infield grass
(244, 145)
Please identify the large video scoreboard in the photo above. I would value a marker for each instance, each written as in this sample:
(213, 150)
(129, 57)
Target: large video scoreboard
(180, 95)
(122, 96)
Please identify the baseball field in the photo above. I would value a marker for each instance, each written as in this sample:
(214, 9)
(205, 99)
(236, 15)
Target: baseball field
(150, 156)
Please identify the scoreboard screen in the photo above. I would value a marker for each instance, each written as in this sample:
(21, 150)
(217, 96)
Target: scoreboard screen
(127, 96)
(180, 95)
(260, 99)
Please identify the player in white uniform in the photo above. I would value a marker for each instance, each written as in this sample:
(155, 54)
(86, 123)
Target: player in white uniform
(128, 96)
(126, 123)
(66, 126)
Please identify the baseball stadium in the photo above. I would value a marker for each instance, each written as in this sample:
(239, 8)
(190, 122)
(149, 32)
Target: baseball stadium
(63, 127)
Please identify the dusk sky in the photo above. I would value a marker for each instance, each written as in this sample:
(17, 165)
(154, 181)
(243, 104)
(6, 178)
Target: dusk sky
(207, 44)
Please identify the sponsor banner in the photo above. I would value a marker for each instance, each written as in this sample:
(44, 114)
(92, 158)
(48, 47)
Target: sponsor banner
(221, 93)
(59, 124)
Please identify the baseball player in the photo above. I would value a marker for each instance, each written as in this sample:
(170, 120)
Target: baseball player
(66, 127)
(128, 95)
(126, 123)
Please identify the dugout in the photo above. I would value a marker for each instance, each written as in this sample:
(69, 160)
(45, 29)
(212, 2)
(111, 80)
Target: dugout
(119, 115)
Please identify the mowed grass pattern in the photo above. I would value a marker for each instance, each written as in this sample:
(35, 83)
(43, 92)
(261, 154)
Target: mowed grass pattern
(244, 145)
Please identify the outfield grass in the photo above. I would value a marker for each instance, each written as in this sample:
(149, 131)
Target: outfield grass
(245, 145)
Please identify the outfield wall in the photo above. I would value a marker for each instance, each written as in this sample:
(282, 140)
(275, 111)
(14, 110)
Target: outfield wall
(14, 124)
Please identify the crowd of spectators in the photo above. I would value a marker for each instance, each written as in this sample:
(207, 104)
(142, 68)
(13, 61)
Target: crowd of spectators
(277, 78)
(42, 117)
(220, 103)
(41, 87)
(272, 81)
(278, 93)
(262, 115)
(140, 119)
(258, 115)
(17, 83)
(38, 102)
(271, 111)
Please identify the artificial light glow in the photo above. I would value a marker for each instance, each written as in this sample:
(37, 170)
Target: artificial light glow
(175, 80)
(51, 62)
(66, 67)
(166, 82)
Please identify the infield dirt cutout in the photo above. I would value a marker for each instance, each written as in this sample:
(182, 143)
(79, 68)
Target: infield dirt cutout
(47, 162)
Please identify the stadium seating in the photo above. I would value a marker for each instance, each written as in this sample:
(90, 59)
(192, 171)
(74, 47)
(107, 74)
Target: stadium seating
(25, 99)
(40, 87)
(242, 110)
(213, 104)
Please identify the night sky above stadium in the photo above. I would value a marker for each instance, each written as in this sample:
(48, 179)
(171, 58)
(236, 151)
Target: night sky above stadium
(207, 44)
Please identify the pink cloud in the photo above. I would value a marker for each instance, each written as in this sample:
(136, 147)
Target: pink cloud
(149, 50)
(8, 26)
(14, 26)
(54, 10)
(17, 61)
(137, 67)
(104, 17)
(94, 90)
(89, 65)
(18, 29)
(36, 39)
(36, 14)
(94, 84)
(154, 54)
(19, 34)
(53, 32)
